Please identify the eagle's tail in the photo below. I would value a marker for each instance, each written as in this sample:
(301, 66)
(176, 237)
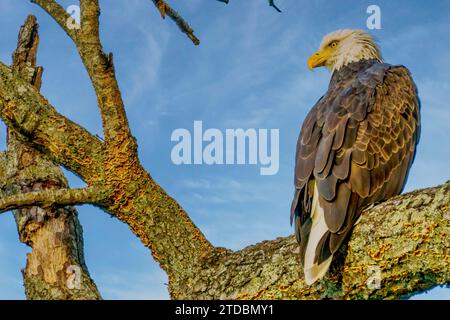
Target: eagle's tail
(314, 264)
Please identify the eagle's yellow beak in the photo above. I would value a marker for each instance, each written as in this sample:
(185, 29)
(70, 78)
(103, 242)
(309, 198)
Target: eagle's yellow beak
(318, 59)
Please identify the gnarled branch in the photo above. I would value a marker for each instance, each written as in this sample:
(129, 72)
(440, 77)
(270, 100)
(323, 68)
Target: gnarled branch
(402, 242)
(24, 109)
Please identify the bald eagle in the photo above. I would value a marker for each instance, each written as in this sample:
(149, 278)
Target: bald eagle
(356, 145)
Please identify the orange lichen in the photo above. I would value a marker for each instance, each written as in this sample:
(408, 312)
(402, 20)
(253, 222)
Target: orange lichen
(378, 255)
(284, 288)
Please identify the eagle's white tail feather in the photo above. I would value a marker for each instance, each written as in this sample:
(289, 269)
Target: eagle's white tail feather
(312, 270)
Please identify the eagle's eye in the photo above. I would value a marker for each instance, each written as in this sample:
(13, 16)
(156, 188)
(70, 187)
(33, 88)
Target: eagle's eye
(333, 44)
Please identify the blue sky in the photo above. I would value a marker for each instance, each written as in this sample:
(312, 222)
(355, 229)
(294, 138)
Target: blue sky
(249, 72)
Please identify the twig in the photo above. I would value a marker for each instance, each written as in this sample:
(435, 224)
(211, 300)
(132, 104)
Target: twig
(272, 4)
(165, 9)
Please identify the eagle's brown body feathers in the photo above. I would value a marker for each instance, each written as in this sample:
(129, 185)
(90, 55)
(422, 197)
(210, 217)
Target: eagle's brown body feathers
(355, 147)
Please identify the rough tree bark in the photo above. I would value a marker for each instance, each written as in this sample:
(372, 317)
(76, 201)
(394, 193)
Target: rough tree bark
(406, 238)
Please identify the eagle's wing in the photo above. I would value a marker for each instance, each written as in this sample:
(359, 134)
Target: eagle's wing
(355, 148)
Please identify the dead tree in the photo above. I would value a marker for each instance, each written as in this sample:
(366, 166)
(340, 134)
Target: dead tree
(406, 238)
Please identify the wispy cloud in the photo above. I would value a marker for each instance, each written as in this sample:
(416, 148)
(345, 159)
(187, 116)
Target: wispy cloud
(134, 286)
(220, 190)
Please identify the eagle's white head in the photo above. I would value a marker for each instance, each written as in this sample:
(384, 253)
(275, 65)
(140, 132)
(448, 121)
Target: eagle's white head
(342, 47)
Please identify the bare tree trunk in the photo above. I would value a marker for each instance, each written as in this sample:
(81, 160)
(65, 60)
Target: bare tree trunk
(55, 267)
(402, 244)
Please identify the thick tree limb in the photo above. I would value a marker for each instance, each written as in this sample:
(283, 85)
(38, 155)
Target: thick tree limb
(405, 238)
(23, 108)
(3, 165)
(90, 27)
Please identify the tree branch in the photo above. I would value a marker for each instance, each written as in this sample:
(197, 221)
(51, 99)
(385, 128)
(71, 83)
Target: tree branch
(23, 108)
(50, 198)
(57, 12)
(90, 28)
(118, 138)
(405, 239)
(165, 9)
(271, 3)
